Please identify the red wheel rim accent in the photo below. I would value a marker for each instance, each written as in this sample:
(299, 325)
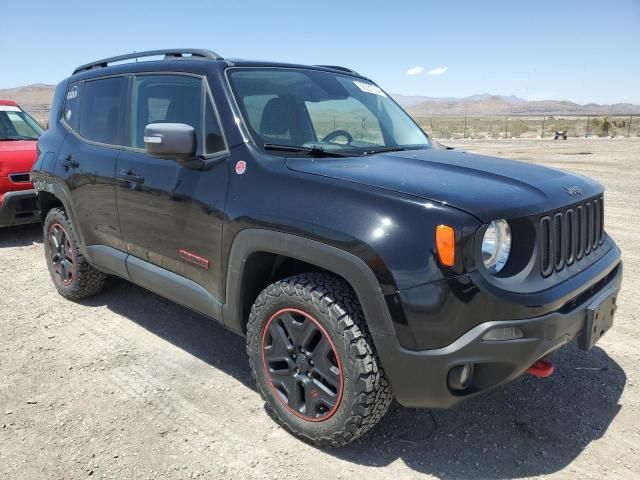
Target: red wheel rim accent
(325, 337)
(62, 254)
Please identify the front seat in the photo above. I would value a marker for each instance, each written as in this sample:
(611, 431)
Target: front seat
(276, 120)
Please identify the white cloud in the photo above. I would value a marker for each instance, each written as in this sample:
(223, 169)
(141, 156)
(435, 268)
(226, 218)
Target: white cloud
(438, 71)
(415, 71)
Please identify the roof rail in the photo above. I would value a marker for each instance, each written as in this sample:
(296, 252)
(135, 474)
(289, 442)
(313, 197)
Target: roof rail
(170, 53)
(336, 67)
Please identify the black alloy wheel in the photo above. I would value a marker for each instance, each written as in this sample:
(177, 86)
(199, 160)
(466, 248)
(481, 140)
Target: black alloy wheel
(72, 275)
(62, 254)
(302, 364)
(314, 361)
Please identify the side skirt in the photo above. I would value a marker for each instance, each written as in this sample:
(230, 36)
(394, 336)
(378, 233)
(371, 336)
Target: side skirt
(156, 279)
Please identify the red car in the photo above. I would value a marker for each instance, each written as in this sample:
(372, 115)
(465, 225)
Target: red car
(18, 139)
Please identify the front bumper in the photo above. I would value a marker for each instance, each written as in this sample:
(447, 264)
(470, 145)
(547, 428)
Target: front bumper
(18, 208)
(419, 377)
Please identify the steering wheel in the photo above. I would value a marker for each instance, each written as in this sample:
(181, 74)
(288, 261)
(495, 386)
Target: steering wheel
(336, 134)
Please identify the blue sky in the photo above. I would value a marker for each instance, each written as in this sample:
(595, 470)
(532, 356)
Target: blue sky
(564, 49)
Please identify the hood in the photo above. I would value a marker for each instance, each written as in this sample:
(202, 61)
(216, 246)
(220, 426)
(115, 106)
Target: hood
(17, 156)
(486, 187)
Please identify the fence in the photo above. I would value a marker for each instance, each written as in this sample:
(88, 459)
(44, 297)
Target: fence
(497, 126)
(529, 126)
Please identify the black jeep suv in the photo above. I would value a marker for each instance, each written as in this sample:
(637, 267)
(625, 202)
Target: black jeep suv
(300, 206)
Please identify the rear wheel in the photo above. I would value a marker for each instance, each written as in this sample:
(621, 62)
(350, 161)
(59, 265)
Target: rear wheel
(72, 276)
(313, 360)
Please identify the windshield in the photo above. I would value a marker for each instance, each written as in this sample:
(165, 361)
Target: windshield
(17, 125)
(311, 109)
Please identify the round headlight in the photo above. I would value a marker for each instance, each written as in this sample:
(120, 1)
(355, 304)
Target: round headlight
(496, 245)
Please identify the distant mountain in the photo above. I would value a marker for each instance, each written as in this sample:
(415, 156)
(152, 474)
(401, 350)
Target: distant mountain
(36, 94)
(37, 99)
(508, 105)
(407, 101)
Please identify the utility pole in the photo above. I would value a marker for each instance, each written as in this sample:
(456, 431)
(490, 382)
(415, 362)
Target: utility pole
(629, 127)
(543, 119)
(586, 134)
(506, 128)
(465, 127)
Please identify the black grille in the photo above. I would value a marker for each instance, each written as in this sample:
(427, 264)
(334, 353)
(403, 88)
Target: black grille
(19, 177)
(570, 235)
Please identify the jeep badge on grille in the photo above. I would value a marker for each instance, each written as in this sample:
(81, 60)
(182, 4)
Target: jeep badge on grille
(573, 191)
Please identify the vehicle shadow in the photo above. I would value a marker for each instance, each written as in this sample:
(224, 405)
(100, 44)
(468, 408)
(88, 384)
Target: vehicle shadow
(530, 427)
(187, 330)
(21, 235)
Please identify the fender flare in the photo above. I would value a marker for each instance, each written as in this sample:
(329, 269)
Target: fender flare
(52, 188)
(344, 264)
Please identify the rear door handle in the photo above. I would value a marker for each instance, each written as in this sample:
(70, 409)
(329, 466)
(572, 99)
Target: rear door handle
(69, 162)
(130, 178)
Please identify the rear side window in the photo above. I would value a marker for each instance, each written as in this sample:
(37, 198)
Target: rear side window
(101, 110)
(71, 108)
(166, 99)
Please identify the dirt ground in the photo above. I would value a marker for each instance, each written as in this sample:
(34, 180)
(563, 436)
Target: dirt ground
(128, 385)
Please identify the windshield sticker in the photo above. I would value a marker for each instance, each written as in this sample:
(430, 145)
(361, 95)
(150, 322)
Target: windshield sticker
(369, 88)
(9, 108)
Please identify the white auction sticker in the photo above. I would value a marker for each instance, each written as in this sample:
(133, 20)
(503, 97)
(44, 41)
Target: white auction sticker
(369, 88)
(9, 108)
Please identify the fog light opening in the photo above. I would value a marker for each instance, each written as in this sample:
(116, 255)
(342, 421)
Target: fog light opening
(460, 376)
(502, 334)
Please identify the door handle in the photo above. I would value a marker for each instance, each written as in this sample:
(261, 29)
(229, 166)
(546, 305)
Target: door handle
(130, 178)
(69, 162)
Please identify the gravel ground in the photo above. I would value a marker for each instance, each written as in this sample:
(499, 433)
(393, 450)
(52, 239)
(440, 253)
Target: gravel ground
(128, 385)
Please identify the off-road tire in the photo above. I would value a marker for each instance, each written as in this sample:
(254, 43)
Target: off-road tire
(86, 280)
(366, 394)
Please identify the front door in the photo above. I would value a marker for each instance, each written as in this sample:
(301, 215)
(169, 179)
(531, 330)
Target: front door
(171, 213)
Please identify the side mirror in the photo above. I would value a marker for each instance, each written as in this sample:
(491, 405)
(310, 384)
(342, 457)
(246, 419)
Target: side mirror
(170, 141)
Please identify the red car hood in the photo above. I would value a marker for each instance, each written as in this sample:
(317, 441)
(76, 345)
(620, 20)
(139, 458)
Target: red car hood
(16, 156)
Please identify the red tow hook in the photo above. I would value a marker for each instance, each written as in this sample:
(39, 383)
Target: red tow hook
(541, 369)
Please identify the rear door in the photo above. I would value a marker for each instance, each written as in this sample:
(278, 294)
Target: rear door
(94, 113)
(171, 213)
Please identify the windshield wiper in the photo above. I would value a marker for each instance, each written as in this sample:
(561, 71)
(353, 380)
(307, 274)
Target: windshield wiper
(315, 151)
(397, 148)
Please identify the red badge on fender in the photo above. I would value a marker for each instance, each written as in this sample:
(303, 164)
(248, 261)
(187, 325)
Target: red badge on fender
(241, 167)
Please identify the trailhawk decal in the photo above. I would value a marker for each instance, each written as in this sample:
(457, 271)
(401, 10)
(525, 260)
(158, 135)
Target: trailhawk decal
(195, 259)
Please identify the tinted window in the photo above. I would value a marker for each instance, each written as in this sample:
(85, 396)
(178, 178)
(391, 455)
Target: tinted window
(166, 99)
(214, 141)
(101, 110)
(71, 108)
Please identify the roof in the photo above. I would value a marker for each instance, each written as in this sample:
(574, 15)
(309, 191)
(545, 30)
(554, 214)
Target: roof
(183, 59)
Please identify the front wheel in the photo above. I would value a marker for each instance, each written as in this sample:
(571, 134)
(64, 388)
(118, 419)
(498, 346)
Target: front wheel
(313, 360)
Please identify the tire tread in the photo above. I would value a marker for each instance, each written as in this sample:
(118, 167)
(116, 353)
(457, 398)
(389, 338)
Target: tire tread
(333, 297)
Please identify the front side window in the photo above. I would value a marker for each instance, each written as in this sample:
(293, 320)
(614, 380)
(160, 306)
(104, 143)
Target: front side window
(317, 109)
(166, 99)
(102, 110)
(17, 125)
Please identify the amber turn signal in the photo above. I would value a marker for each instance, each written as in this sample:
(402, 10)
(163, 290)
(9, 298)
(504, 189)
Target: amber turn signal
(445, 243)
